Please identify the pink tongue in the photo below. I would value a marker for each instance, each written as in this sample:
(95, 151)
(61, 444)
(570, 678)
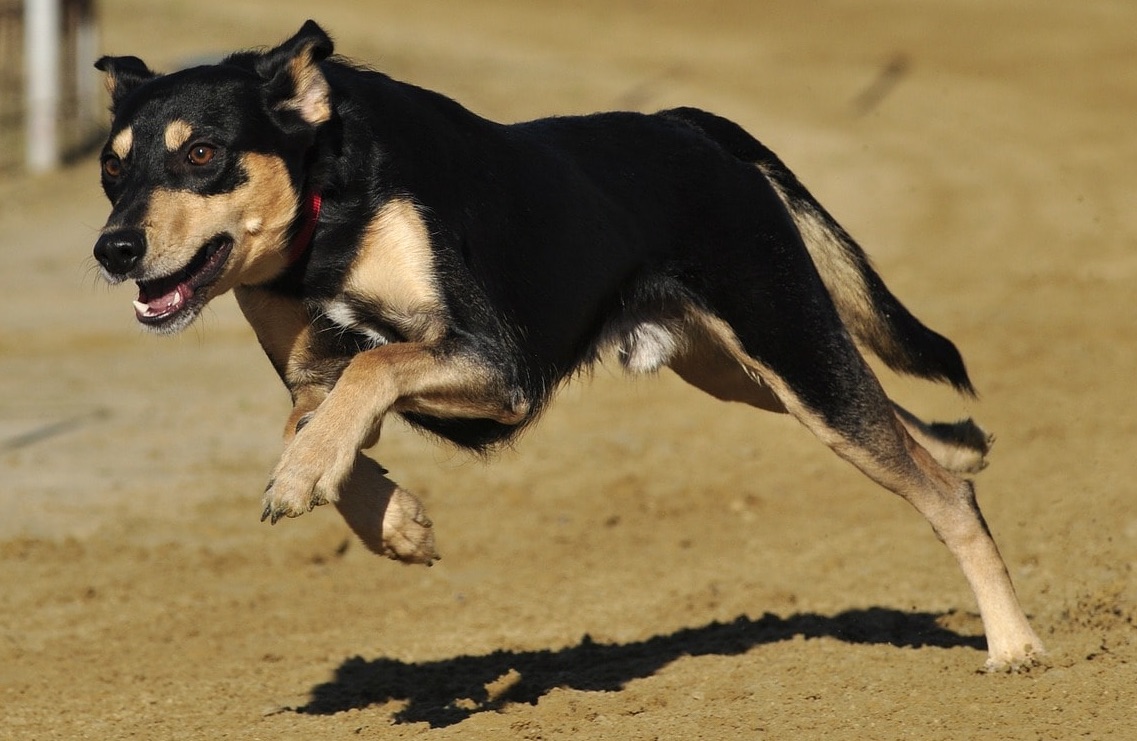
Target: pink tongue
(152, 307)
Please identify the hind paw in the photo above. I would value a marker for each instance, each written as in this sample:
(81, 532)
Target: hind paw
(1018, 662)
(963, 445)
(964, 432)
(960, 446)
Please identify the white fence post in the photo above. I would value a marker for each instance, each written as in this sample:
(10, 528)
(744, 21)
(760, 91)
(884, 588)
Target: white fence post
(87, 86)
(41, 63)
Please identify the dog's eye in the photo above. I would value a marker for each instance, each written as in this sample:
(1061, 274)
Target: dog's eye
(200, 154)
(112, 166)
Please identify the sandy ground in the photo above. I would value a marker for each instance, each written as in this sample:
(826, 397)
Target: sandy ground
(648, 563)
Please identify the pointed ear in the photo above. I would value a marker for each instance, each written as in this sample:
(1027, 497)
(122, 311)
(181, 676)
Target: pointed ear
(293, 78)
(124, 75)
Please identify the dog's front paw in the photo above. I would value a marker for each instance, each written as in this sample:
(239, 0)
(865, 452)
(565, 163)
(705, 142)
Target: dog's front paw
(309, 474)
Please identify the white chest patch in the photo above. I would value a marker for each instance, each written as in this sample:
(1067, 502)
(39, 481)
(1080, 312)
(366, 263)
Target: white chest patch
(341, 314)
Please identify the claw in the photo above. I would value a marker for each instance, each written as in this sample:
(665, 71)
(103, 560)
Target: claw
(267, 511)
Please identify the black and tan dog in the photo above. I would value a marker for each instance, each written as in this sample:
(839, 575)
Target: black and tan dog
(396, 253)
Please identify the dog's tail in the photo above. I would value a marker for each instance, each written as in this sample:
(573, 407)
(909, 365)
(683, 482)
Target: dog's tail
(876, 318)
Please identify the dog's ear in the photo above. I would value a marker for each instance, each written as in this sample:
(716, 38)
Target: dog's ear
(124, 75)
(293, 78)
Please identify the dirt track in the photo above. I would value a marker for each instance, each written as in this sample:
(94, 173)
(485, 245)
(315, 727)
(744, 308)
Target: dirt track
(648, 563)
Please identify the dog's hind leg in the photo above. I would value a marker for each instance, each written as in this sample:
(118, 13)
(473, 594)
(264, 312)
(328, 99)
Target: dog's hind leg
(707, 363)
(834, 394)
(897, 462)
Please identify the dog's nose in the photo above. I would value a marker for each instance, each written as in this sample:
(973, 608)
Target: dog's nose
(119, 251)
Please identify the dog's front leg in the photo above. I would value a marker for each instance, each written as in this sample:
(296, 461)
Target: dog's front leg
(389, 520)
(319, 460)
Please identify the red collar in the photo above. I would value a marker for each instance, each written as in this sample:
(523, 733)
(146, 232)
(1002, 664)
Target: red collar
(303, 239)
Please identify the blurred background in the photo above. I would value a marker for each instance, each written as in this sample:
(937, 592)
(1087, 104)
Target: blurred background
(981, 151)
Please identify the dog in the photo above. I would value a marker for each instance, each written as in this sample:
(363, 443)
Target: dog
(396, 253)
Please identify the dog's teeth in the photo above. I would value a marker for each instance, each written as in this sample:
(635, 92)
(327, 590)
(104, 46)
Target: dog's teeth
(141, 308)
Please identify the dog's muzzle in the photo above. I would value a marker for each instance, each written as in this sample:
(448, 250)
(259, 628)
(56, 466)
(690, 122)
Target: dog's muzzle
(120, 251)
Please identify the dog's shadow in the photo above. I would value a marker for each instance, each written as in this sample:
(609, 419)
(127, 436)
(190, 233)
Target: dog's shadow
(446, 692)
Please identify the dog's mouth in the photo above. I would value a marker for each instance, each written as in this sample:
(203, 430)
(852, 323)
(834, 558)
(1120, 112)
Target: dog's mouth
(162, 301)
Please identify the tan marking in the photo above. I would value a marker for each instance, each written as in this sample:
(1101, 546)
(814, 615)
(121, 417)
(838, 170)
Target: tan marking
(841, 276)
(110, 82)
(122, 143)
(311, 98)
(409, 377)
(177, 133)
(394, 271)
(257, 215)
(405, 376)
(388, 519)
(284, 330)
(712, 359)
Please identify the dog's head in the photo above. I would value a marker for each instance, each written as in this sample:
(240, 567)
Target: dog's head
(204, 169)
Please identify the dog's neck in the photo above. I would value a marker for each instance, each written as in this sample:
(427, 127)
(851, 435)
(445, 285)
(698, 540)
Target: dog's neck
(310, 216)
